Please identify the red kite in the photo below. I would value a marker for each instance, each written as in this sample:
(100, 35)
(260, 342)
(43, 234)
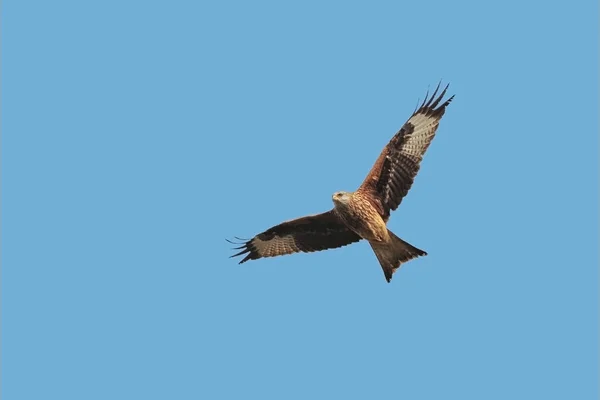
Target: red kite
(363, 214)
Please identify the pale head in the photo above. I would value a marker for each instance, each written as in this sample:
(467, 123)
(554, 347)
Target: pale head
(341, 198)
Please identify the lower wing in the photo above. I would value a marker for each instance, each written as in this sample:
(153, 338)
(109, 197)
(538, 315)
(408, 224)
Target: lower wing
(307, 234)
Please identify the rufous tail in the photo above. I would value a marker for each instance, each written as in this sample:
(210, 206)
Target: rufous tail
(393, 253)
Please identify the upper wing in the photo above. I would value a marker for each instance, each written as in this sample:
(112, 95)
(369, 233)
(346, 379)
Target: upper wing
(307, 234)
(394, 171)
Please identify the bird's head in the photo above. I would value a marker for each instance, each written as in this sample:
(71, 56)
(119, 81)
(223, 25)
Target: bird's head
(341, 198)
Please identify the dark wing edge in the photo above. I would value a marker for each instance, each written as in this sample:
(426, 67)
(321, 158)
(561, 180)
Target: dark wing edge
(393, 173)
(429, 104)
(306, 234)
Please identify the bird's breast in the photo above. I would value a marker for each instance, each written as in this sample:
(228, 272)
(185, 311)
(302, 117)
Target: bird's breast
(360, 216)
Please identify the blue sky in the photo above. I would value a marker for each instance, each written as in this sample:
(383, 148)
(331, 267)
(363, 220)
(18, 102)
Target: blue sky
(137, 136)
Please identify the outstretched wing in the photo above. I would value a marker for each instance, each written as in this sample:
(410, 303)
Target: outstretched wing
(393, 174)
(307, 234)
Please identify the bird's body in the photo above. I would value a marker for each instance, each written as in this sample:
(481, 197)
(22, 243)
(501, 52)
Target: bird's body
(359, 215)
(364, 213)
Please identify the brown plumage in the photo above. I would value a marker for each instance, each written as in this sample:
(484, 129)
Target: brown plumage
(311, 233)
(364, 213)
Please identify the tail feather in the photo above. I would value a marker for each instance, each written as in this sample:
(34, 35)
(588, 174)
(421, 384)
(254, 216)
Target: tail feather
(393, 253)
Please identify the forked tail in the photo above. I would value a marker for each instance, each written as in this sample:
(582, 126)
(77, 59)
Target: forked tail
(393, 253)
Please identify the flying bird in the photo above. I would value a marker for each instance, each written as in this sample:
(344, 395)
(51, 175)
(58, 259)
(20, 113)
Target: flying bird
(363, 214)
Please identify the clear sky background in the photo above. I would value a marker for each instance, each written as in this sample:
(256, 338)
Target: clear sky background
(138, 135)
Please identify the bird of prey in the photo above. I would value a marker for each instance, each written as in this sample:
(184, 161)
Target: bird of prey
(363, 214)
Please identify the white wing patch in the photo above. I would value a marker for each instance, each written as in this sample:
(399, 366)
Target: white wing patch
(419, 139)
(276, 246)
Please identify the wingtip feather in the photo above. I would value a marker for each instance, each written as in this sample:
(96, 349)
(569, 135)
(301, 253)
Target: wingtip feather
(431, 104)
(431, 99)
